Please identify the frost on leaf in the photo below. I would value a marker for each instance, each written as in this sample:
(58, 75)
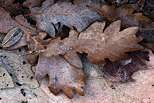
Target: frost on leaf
(98, 43)
(77, 16)
(58, 46)
(111, 43)
(62, 76)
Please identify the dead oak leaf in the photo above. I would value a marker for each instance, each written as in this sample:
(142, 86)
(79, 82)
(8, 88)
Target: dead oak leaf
(64, 47)
(135, 19)
(16, 37)
(7, 23)
(61, 47)
(124, 13)
(34, 47)
(113, 12)
(77, 16)
(111, 43)
(62, 76)
(98, 43)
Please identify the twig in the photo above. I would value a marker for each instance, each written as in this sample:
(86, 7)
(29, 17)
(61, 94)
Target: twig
(26, 26)
(92, 8)
(99, 11)
(28, 35)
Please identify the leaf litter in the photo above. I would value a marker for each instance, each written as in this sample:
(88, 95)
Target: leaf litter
(12, 37)
(108, 44)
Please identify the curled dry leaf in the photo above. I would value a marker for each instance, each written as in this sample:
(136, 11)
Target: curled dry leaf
(12, 40)
(12, 37)
(71, 15)
(22, 42)
(17, 37)
(111, 43)
(62, 76)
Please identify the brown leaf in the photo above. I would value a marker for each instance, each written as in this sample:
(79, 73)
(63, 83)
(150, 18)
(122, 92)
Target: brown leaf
(34, 47)
(134, 20)
(125, 14)
(141, 18)
(38, 43)
(73, 58)
(6, 22)
(58, 46)
(98, 44)
(113, 12)
(12, 40)
(62, 76)
(22, 21)
(150, 46)
(109, 43)
(77, 16)
(32, 58)
(11, 6)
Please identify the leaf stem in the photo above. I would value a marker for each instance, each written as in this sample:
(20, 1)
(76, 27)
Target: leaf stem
(28, 35)
(99, 11)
